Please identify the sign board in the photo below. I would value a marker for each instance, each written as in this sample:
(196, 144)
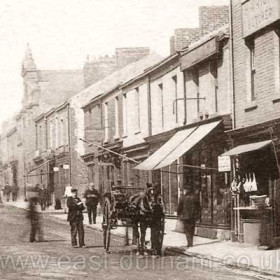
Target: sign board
(224, 163)
(56, 169)
(199, 53)
(257, 14)
(65, 166)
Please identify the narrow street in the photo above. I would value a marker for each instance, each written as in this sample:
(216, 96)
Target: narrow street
(56, 259)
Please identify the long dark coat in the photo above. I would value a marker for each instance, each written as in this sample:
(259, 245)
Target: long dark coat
(75, 211)
(188, 208)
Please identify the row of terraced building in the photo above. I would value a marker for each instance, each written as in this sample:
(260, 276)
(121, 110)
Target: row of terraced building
(200, 117)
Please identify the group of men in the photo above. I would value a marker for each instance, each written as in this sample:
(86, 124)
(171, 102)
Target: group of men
(8, 190)
(187, 211)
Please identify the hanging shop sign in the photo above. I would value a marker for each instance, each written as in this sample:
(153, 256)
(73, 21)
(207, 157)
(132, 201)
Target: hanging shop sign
(56, 169)
(224, 163)
(65, 166)
(257, 14)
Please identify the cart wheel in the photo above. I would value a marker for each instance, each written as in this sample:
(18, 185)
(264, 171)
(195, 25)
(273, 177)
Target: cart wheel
(161, 232)
(106, 225)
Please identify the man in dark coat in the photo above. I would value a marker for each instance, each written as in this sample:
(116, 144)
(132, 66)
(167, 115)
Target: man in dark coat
(14, 190)
(187, 212)
(75, 217)
(92, 197)
(43, 197)
(7, 191)
(35, 220)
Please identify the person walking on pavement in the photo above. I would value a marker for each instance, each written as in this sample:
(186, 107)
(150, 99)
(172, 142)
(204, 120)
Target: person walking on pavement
(92, 197)
(75, 218)
(187, 211)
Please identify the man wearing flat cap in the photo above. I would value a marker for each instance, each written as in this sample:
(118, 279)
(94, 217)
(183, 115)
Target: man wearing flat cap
(92, 197)
(75, 217)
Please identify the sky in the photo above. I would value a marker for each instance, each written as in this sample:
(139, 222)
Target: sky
(61, 33)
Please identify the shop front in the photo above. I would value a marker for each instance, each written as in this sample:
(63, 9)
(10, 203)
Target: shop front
(255, 185)
(189, 158)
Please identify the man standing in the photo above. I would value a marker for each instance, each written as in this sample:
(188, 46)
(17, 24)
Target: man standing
(75, 217)
(35, 221)
(43, 197)
(92, 197)
(67, 193)
(14, 191)
(187, 212)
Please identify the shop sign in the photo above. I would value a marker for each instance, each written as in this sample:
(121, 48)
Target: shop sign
(56, 169)
(199, 53)
(257, 14)
(65, 166)
(224, 163)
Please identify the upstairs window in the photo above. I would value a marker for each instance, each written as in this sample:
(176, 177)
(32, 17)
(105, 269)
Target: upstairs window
(125, 130)
(174, 79)
(160, 89)
(117, 117)
(137, 109)
(252, 92)
(106, 122)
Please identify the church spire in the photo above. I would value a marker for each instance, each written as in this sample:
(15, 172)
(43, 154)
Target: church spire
(28, 61)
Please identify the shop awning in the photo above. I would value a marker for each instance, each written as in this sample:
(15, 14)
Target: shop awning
(175, 147)
(247, 148)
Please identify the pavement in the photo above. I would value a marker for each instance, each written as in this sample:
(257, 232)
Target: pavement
(233, 254)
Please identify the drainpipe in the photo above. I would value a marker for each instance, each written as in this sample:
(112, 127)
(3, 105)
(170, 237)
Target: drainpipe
(149, 105)
(185, 98)
(232, 67)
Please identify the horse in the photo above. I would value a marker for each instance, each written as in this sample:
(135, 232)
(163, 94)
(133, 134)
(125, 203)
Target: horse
(149, 214)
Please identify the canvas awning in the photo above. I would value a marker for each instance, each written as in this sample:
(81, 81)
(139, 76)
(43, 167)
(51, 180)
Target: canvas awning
(247, 148)
(175, 147)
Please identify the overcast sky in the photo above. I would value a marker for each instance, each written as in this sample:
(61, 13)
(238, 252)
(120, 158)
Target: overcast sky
(61, 33)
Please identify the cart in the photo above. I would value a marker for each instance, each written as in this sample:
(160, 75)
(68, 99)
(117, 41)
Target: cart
(120, 210)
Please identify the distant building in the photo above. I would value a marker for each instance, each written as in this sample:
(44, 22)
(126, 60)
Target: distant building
(43, 89)
(210, 18)
(99, 68)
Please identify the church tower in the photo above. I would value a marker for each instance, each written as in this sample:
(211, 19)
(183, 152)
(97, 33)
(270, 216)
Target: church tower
(30, 77)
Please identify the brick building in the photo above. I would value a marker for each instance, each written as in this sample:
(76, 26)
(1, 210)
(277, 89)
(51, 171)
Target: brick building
(52, 155)
(210, 18)
(255, 138)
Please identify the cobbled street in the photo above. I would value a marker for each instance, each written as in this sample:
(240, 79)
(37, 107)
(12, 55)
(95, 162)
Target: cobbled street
(56, 259)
